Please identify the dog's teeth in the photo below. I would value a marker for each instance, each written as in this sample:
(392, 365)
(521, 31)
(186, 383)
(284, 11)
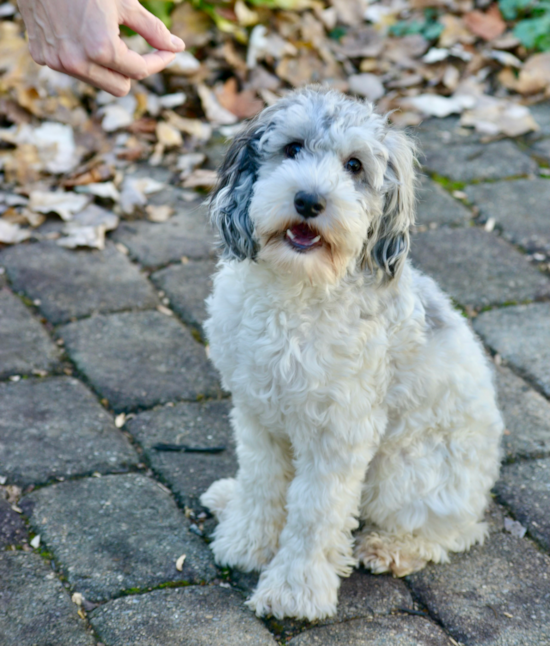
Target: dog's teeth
(316, 239)
(290, 234)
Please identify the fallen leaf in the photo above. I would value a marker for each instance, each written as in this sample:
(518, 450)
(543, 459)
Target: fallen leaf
(180, 562)
(65, 204)
(201, 178)
(438, 106)
(12, 233)
(188, 162)
(213, 110)
(184, 63)
(488, 25)
(535, 75)
(159, 213)
(514, 527)
(93, 237)
(243, 104)
(492, 116)
(367, 85)
(168, 135)
(101, 189)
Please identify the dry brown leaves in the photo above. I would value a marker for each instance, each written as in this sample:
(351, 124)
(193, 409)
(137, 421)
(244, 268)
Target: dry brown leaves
(68, 151)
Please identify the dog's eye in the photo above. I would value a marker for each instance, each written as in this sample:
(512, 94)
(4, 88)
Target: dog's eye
(354, 166)
(291, 150)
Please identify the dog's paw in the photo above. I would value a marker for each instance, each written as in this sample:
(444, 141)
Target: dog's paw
(382, 553)
(218, 495)
(305, 591)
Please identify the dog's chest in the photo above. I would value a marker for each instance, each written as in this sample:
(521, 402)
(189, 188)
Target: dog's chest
(288, 357)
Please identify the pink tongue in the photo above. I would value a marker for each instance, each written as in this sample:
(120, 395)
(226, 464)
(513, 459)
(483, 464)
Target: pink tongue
(302, 234)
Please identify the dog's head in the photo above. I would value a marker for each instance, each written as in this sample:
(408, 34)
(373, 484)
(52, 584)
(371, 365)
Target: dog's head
(316, 185)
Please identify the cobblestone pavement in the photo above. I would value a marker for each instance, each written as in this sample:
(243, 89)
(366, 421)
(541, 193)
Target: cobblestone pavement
(102, 358)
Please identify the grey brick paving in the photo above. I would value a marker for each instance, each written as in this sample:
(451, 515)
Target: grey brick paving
(469, 162)
(197, 616)
(525, 488)
(526, 415)
(187, 286)
(186, 234)
(196, 425)
(35, 609)
(521, 336)
(139, 359)
(68, 283)
(520, 208)
(541, 150)
(477, 268)
(117, 533)
(442, 132)
(435, 205)
(541, 113)
(56, 428)
(12, 527)
(494, 595)
(380, 631)
(24, 344)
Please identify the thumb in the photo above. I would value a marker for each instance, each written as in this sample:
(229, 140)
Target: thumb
(152, 29)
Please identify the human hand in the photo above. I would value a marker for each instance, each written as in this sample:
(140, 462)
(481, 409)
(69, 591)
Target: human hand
(82, 38)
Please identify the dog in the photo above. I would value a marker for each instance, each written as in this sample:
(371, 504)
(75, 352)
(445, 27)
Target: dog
(360, 395)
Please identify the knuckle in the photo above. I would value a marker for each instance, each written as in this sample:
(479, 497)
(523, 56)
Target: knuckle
(52, 60)
(101, 51)
(70, 64)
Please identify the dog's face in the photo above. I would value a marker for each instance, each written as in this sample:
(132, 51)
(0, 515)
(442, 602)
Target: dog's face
(316, 186)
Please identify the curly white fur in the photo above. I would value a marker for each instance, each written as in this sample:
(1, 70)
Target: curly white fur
(358, 392)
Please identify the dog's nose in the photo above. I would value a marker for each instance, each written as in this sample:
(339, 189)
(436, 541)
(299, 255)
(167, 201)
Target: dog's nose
(309, 205)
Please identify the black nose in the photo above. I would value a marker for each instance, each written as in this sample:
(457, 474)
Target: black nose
(309, 205)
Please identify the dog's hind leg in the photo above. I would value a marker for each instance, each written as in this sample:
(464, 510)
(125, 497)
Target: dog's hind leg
(426, 498)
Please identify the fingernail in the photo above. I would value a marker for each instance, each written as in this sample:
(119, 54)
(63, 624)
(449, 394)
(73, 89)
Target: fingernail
(178, 42)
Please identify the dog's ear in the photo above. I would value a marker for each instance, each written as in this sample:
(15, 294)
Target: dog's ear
(230, 201)
(389, 240)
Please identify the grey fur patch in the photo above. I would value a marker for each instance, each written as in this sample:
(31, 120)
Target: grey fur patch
(230, 202)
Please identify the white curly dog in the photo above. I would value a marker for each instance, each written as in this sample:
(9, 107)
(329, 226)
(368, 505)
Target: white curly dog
(359, 393)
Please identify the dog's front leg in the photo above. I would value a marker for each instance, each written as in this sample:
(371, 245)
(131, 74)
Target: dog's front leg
(316, 543)
(251, 507)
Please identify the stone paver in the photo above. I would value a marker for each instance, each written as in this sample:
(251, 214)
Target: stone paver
(380, 631)
(495, 595)
(116, 533)
(477, 268)
(525, 488)
(526, 415)
(24, 344)
(55, 428)
(197, 616)
(521, 336)
(519, 207)
(541, 150)
(187, 286)
(541, 113)
(432, 133)
(195, 425)
(481, 162)
(153, 245)
(435, 205)
(68, 283)
(140, 359)
(35, 609)
(12, 527)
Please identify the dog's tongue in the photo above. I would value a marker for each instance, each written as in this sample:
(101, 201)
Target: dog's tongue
(302, 235)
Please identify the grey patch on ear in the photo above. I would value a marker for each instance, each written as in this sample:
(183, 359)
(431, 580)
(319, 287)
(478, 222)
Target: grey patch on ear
(230, 201)
(388, 242)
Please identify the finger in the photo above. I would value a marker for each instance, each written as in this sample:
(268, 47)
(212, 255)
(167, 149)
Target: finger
(152, 29)
(131, 64)
(104, 79)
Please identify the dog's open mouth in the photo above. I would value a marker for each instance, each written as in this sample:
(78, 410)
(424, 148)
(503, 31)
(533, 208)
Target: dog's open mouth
(302, 237)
